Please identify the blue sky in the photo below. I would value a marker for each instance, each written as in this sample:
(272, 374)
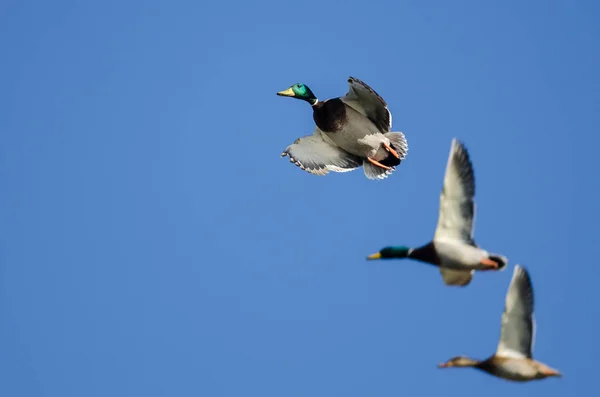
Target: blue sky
(154, 243)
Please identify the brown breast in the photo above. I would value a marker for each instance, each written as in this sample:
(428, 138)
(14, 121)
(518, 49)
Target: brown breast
(330, 116)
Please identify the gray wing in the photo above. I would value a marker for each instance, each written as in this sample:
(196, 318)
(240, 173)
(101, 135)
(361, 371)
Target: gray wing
(318, 155)
(365, 100)
(518, 325)
(457, 205)
(456, 277)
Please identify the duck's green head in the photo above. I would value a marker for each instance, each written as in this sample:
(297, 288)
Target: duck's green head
(395, 252)
(300, 91)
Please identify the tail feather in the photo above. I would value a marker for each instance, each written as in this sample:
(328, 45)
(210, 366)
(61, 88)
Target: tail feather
(400, 145)
(398, 142)
(502, 261)
(375, 172)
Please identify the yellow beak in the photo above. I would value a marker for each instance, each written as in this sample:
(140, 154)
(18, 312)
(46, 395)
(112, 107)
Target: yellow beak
(288, 92)
(374, 256)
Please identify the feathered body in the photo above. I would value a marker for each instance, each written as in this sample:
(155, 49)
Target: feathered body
(349, 129)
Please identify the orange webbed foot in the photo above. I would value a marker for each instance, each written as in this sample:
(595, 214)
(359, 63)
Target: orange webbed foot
(489, 264)
(378, 164)
(392, 151)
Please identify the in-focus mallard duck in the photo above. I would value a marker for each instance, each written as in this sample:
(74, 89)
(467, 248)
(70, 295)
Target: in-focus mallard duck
(513, 360)
(453, 248)
(352, 130)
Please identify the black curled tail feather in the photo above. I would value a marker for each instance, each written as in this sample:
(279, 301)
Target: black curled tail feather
(502, 261)
(390, 160)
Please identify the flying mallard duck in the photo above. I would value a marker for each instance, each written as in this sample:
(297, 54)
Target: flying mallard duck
(352, 130)
(513, 360)
(453, 248)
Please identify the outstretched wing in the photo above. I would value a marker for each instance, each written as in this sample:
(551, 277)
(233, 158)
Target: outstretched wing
(457, 204)
(318, 155)
(365, 100)
(518, 325)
